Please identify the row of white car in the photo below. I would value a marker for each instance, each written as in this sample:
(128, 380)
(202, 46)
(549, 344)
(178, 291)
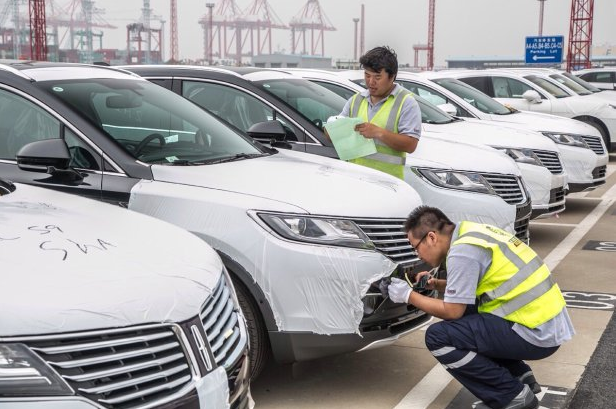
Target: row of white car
(305, 240)
(554, 155)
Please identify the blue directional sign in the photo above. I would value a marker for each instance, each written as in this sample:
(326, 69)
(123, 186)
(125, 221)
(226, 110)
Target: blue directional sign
(544, 50)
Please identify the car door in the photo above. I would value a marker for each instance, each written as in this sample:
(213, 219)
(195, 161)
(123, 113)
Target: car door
(239, 108)
(23, 121)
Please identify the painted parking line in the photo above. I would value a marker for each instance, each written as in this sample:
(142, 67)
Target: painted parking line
(426, 390)
(438, 378)
(564, 247)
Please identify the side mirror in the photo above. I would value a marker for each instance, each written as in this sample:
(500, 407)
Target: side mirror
(47, 156)
(267, 130)
(448, 108)
(271, 132)
(532, 96)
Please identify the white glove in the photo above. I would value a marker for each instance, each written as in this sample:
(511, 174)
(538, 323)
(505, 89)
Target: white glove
(399, 291)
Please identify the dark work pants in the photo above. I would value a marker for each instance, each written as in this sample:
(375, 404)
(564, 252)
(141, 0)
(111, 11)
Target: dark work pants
(484, 354)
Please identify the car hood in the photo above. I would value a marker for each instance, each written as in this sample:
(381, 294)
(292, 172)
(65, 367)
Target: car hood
(74, 264)
(315, 184)
(435, 151)
(535, 121)
(487, 133)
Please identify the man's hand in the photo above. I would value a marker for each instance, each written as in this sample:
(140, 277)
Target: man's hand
(399, 291)
(368, 130)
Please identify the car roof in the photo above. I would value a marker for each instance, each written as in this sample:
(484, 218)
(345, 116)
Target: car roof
(44, 71)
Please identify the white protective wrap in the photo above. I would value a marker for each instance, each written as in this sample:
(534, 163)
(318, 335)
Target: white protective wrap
(579, 163)
(213, 390)
(309, 287)
(540, 181)
(78, 264)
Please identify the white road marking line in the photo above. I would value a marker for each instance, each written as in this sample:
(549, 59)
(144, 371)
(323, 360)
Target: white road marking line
(564, 247)
(424, 393)
(428, 389)
(553, 224)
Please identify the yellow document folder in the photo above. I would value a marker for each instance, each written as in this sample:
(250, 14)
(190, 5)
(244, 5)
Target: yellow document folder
(348, 142)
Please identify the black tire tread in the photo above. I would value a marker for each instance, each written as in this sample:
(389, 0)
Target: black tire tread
(260, 351)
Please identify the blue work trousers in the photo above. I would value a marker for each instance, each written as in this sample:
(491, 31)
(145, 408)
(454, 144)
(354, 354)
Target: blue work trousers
(484, 354)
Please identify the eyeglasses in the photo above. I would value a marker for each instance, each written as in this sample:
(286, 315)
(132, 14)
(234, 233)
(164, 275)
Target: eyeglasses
(422, 239)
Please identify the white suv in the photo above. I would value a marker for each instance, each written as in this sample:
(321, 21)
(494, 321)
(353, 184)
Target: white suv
(104, 307)
(604, 78)
(306, 239)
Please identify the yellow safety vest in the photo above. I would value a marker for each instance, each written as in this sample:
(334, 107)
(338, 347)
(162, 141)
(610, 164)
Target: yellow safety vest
(385, 159)
(518, 285)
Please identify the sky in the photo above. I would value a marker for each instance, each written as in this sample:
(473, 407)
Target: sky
(462, 27)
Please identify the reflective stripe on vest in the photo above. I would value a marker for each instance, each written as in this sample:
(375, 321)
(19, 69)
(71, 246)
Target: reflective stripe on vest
(385, 159)
(519, 291)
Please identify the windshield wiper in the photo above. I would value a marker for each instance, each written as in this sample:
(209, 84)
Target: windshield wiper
(239, 156)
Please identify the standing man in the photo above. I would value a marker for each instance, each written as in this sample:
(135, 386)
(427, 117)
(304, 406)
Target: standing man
(500, 307)
(390, 113)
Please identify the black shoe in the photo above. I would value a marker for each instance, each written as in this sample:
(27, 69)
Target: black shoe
(525, 400)
(529, 379)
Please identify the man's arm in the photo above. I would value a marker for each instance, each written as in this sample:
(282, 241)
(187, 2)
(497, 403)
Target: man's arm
(436, 307)
(409, 129)
(399, 142)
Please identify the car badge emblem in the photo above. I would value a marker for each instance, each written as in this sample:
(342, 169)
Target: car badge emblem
(201, 347)
(228, 333)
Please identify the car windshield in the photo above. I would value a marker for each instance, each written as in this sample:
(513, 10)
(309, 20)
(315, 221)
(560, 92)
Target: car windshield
(431, 114)
(550, 87)
(313, 101)
(473, 96)
(153, 124)
(581, 82)
(572, 85)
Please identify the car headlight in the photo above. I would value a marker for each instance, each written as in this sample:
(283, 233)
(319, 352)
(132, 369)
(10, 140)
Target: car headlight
(307, 229)
(23, 374)
(567, 139)
(521, 155)
(472, 182)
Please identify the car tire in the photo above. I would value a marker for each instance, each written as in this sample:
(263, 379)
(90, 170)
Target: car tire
(260, 350)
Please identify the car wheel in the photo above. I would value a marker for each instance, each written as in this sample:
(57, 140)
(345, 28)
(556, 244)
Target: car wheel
(260, 350)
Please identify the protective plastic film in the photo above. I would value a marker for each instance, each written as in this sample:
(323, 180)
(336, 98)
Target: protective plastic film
(77, 264)
(213, 390)
(539, 181)
(309, 287)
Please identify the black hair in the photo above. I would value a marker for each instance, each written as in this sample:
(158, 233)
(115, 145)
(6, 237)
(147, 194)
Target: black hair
(379, 58)
(424, 219)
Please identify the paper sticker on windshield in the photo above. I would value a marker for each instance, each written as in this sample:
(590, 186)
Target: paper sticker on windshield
(58, 89)
(171, 138)
(171, 158)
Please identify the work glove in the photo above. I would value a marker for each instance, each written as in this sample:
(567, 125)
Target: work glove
(399, 291)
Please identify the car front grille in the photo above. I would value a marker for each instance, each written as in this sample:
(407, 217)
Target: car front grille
(550, 160)
(506, 186)
(594, 143)
(223, 328)
(390, 239)
(599, 172)
(557, 195)
(119, 368)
